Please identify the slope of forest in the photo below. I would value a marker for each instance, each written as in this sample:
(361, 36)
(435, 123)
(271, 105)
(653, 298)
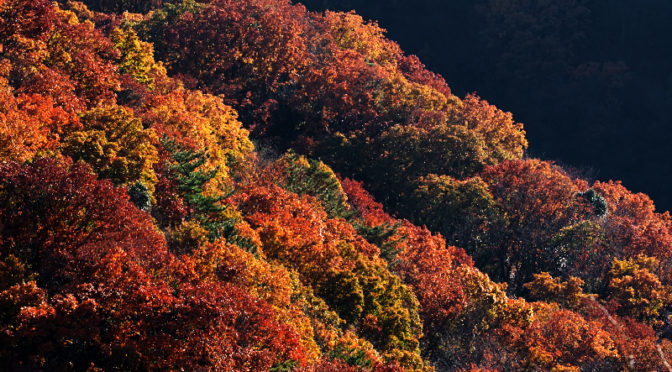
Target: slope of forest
(590, 79)
(248, 186)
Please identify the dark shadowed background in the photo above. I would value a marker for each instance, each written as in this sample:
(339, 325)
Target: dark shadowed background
(591, 80)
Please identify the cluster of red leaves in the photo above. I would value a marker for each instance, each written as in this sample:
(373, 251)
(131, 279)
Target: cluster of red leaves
(343, 267)
(103, 289)
(300, 77)
(30, 124)
(53, 54)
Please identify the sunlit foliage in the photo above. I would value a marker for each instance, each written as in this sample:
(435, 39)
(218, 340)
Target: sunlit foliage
(293, 192)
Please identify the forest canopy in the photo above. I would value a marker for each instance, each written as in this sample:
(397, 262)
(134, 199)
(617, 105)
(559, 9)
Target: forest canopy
(247, 185)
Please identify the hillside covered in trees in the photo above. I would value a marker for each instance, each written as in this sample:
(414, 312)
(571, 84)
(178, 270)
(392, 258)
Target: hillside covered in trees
(590, 79)
(249, 186)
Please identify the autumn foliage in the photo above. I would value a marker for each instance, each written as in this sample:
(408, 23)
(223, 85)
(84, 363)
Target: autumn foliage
(245, 185)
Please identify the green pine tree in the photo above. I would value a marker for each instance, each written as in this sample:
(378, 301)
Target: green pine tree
(207, 210)
(380, 235)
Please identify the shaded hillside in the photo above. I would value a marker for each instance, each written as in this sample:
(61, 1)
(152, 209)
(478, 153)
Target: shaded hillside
(590, 79)
(250, 186)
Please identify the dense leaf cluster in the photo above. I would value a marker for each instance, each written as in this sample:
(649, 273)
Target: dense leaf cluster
(141, 229)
